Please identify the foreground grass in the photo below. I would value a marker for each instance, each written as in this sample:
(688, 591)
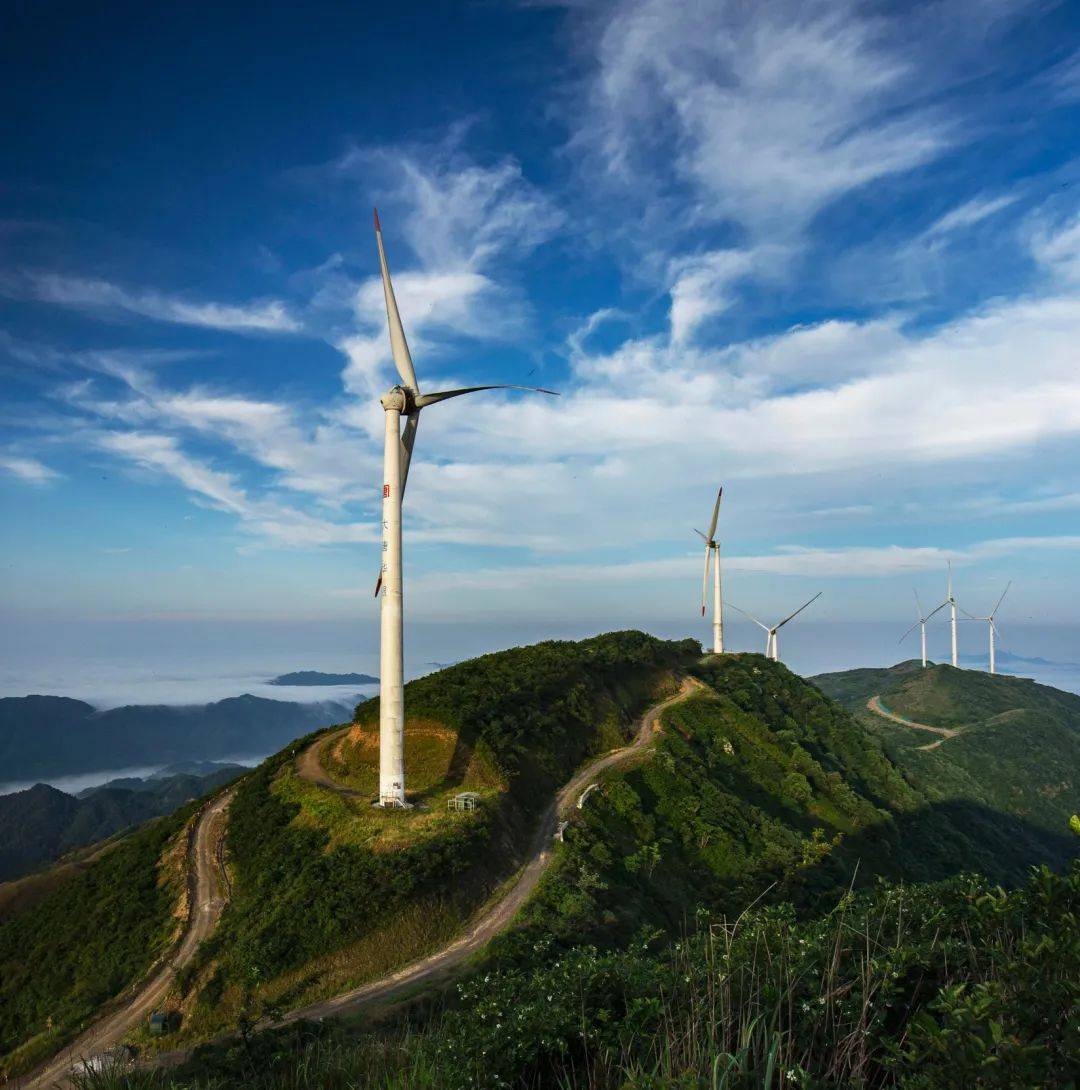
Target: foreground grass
(925, 987)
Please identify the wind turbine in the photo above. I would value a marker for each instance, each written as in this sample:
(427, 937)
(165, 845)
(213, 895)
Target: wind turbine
(712, 552)
(991, 625)
(920, 624)
(772, 641)
(406, 401)
(950, 601)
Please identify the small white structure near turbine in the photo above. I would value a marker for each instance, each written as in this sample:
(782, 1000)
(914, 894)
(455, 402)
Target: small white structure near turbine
(991, 625)
(920, 624)
(401, 401)
(712, 556)
(772, 640)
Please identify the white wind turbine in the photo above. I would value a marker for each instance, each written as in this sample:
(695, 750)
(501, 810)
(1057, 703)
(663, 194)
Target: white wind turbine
(920, 624)
(772, 640)
(712, 553)
(950, 601)
(404, 400)
(991, 625)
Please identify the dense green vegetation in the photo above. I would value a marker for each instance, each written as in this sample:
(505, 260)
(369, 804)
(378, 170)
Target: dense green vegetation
(767, 824)
(531, 713)
(923, 988)
(97, 931)
(1018, 750)
(764, 787)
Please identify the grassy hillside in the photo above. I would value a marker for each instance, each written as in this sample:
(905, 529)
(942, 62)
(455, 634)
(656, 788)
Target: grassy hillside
(764, 786)
(83, 938)
(1018, 747)
(328, 893)
(760, 789)
(920, 988)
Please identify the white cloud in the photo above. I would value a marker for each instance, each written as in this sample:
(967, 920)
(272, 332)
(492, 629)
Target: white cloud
(465, 223)
(265, 517)
(703, 284)
(1057, 248)
(970, 213)
(264, 316)
(25, 469)
(768, 111)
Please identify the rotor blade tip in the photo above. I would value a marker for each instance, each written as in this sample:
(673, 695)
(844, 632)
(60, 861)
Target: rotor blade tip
(377, 225)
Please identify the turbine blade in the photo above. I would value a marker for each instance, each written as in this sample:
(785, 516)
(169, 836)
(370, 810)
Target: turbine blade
(919, 606)
(378, 585)
(799, 610)
(933, 611)
(700, 534)
(971, 616)
(949, 597)
(705, 578)
(432, 399)
(408, 439)
(1001, 599)
(750, 615)
(398, 345)
(909, 631)
(715, 514)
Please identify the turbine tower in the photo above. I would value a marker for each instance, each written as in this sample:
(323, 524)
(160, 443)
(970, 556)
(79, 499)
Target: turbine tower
(772, 640)
(712, 553)
(950, 601)
(405, 401)
(991, 625)
(920, 624)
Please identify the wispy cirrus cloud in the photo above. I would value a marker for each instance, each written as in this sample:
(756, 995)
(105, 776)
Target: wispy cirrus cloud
(84, 293)
(454, 227)
(29, 470)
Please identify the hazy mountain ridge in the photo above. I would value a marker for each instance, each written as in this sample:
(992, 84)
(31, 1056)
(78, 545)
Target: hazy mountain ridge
(42, 824)
(44, 736)
(317, 677)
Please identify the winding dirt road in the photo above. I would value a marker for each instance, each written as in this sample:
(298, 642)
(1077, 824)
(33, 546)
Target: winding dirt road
(875, 705)
(498, 917)
(309, 764)
(207, 892)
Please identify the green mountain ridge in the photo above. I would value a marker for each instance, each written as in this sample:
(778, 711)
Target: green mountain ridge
(1018, 747)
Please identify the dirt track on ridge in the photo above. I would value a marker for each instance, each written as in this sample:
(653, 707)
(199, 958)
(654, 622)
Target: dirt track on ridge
(499, 915)
(875, 705)
(203, 915)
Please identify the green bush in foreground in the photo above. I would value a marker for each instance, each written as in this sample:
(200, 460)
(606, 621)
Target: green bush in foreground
(923, 987)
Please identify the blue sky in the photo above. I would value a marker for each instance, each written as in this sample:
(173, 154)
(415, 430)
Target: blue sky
(826, 254)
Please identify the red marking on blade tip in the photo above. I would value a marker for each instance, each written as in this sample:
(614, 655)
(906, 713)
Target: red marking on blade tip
(377, 227)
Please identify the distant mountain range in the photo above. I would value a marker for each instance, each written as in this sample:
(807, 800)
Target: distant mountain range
(1008, 659)
(49, 736)
(41, 824)
(316, 677)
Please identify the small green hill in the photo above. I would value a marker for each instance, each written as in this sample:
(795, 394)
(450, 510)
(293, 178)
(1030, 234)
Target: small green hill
(328, 893)
(1018, 746)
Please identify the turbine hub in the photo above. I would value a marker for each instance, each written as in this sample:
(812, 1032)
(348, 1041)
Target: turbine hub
(398, 398)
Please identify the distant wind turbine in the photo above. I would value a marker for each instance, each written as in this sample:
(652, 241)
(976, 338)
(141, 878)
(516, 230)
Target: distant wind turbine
(991, 625)
(401, 401)
(920, 624)
(950, 601)
(712, 555)
(772, 640)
